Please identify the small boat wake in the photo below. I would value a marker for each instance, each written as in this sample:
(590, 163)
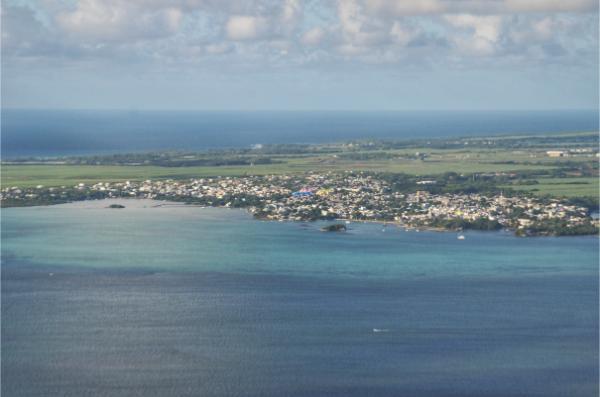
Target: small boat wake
(377, 330)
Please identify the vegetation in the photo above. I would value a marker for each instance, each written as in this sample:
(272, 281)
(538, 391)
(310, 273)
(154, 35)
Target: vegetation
(338, 227)
(554, 227)
(462, 224)
(490, 165)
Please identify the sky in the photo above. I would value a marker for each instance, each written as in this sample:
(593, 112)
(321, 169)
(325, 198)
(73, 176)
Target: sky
(300, 54)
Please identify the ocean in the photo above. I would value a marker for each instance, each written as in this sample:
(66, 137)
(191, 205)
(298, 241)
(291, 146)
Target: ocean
(189, 301)
(47, 133)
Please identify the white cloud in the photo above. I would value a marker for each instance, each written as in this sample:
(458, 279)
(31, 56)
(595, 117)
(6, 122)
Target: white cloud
(351, 49)
(357, 28)
(403, 8)
(402, 34)
(487, 27)
(255, 32)
(219, 48)
(113, 20)
(313, 37)
(482, 7)
(290, 12)
(21, 31)
(515, 6)
(245, 27)
(482, 36)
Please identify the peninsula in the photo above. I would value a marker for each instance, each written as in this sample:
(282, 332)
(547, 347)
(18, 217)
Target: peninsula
(508, 198)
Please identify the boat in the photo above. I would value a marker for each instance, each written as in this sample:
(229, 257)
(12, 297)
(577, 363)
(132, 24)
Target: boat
(461, 237)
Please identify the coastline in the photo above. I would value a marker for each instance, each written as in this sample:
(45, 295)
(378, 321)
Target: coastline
(146, 203)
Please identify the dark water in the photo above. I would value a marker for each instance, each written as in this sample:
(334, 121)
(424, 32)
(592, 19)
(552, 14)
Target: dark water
(206, 302)
(55, 133)
(118, 333)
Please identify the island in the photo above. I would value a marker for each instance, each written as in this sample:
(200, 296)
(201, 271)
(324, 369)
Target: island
(338, 227)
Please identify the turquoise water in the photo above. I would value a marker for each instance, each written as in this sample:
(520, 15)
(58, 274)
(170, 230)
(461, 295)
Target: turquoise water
(223, 240)
(174, 301)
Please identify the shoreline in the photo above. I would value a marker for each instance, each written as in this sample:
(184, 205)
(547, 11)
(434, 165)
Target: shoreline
(81, 204)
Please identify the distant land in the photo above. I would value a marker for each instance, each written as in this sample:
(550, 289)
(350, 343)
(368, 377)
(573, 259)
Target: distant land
(571, 171)
(85, 132)
(534, 185)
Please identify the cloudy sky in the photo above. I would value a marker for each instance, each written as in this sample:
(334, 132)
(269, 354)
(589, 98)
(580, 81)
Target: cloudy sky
(300, 54)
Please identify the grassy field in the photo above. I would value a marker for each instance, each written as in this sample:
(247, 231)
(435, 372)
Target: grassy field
(563, 187)
(59, 175)
(460, 160)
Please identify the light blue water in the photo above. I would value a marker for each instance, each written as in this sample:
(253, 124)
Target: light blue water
(190, 301)
(57, 133)
(195, 239)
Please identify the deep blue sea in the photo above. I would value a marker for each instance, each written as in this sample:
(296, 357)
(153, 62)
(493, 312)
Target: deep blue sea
(58, 133)
(188, 301)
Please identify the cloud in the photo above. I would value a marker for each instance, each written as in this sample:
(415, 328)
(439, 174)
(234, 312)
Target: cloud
(113, 20)
(26, 37)
(313, 37)
(274, 23)
(402, 34)
(516, 6)
(245, 27)
(219, 48)
(294, 33)
(358, 32)
(480, 7)
(22, 32)
(484, 32)
(291, 12)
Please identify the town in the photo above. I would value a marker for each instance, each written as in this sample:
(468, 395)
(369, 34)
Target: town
(349, 196)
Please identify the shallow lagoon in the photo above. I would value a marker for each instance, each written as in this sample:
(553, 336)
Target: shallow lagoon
(177, 300)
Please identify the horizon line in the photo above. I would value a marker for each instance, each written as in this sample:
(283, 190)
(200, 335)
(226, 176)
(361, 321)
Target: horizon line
(347, 110)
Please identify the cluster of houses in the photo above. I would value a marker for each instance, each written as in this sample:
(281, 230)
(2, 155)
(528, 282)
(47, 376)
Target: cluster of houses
(573, 152)
(512, 212)
(349, 196)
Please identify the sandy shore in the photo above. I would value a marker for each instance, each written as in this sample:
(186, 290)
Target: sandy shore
(142, 203)
(130, 203)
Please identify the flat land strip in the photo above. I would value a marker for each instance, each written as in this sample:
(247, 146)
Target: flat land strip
(574, 174)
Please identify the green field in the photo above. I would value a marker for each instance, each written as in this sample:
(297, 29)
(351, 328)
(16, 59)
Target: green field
(67, 175)
(563, 187)
(416, 161)
(59, 175)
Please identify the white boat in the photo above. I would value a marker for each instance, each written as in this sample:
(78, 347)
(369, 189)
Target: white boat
(461, 237)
